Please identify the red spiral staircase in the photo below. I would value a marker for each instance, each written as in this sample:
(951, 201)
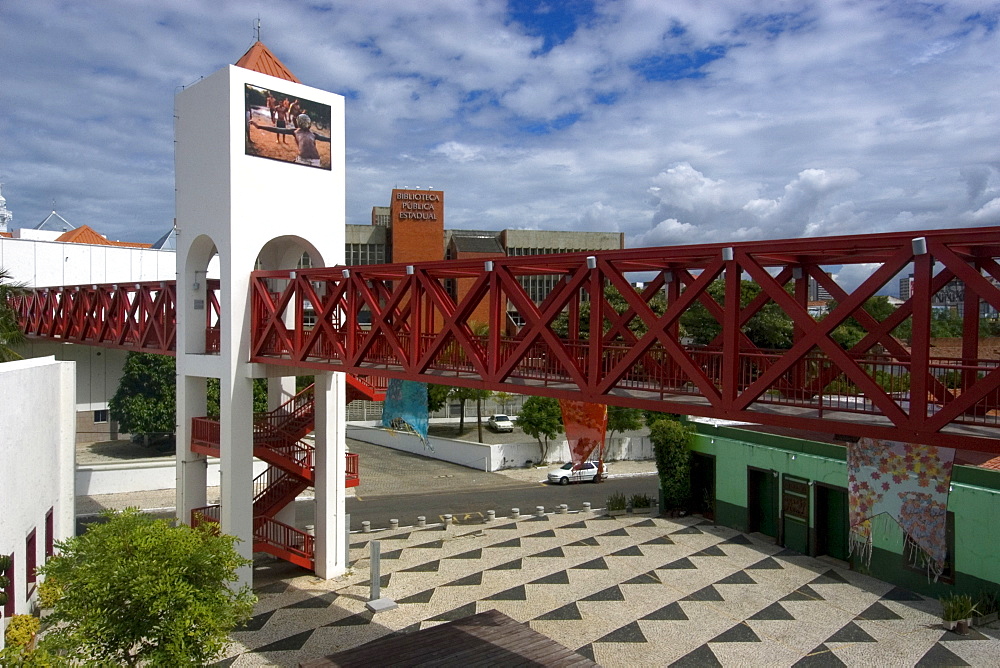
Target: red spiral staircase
(279, 440)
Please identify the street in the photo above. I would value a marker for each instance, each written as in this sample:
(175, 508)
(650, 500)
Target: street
(399, 485)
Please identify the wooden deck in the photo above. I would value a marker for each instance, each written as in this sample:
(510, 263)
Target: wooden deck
(487, 639)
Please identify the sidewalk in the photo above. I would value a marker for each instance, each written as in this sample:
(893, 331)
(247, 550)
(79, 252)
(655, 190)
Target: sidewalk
(630, 591)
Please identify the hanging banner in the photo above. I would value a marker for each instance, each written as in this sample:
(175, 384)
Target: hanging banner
(405, 408)
(585, 426)
(909, 483)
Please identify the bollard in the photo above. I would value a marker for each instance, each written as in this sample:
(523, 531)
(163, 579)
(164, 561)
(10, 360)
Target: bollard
(421, 521)
(515, 513)
(539, 511)
(376, 570)
(447, 521)
(376, 602)
(563, 509)
(586, 506)
(393, 524)
(491, 515)
(366, 527)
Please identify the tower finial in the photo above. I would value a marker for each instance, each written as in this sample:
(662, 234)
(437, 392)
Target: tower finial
(257, 27)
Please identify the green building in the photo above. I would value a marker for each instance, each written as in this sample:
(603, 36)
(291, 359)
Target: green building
(795, 491)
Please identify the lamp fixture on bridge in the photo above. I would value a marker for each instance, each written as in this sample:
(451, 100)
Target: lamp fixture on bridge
(919, 246)
(591, 262)
(488, 265)
(409, 270)
(727, 254)
(346, 273)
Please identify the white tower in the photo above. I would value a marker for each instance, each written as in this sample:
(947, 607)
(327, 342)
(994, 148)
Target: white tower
(257, 203)
(5, 215)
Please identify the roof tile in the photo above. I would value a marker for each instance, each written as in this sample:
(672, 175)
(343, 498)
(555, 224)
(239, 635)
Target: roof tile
(260, 59)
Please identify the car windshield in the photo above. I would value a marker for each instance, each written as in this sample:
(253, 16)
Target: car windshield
(500, 418)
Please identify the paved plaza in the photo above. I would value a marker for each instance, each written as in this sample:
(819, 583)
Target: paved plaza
(626, 591)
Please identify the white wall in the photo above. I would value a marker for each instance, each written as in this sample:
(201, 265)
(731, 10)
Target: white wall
(488, 457)
(140, 476)
(37, 420)
(48, 263)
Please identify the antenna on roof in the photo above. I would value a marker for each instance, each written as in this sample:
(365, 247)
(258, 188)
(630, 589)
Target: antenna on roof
(257, 28)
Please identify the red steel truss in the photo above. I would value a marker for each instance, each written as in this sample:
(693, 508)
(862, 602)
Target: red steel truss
(880, 386)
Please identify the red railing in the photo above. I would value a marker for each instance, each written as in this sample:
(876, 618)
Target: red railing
(644, 357)
(283, 541)
(353, 478)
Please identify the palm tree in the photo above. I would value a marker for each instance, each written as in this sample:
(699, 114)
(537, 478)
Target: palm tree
(10, 330)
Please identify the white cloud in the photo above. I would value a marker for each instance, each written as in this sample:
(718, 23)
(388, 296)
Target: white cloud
(816, 118)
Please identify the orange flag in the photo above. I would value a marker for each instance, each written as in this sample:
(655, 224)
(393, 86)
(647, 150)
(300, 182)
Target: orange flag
(585, 426)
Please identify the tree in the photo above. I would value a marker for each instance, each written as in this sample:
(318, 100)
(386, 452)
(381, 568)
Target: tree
(657, 303)
(463, 394)
(11, 334)
(437, 397)
(504, 399)
(769, 327)
(138, 590)
(541, 418)
(623, 419)
(146, 402)
(673, 461)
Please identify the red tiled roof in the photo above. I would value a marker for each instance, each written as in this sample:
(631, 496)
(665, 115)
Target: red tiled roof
(86, 235)
(9, 235)
(260, 59)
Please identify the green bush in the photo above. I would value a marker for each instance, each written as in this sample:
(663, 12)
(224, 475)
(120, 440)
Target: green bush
(673, 462)
(22, 630)
(956, 607)
(640, 501)
(617, 501)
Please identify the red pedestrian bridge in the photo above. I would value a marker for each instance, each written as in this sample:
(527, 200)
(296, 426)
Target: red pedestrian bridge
(596, 338)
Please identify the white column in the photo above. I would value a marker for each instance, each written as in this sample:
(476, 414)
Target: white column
(192, 468)
(236, 458)
(279, 390)
(331, 452)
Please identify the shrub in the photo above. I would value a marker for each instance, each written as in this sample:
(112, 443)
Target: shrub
(956, 607)
(640, 501)
(617, 501)
(673, 461)
(22, 630)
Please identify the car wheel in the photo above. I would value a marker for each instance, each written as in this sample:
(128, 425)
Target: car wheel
(564, 481)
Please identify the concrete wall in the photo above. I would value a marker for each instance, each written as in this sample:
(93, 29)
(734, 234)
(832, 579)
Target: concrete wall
(47, 263)
(36, 466)
(140, 476)
(494, 457)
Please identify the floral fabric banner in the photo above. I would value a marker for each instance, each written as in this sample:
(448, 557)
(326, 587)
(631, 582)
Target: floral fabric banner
(908, 482)
(405, 408)
(585, 426)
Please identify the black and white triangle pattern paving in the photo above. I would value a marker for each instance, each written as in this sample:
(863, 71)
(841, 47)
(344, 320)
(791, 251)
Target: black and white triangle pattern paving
(620, 591)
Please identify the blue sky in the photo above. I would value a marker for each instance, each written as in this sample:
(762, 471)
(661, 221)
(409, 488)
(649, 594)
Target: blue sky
(673, 122)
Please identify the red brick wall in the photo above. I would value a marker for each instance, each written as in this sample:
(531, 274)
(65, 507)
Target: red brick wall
(417, 223)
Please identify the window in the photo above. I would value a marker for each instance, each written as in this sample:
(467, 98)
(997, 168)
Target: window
(30, 562)
(101, 416)
(49, 534)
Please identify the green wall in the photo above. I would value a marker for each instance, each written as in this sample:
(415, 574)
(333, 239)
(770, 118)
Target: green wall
(974, 500)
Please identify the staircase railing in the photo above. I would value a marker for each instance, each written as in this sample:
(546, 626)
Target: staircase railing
(284, 541)
(277, 439)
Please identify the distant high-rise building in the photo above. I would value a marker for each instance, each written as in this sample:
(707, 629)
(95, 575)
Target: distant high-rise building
(817, 293)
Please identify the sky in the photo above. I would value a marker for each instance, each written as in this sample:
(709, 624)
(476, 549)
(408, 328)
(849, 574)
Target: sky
(673, 122)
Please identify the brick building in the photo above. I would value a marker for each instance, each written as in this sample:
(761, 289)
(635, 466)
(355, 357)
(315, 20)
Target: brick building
(412, 229)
